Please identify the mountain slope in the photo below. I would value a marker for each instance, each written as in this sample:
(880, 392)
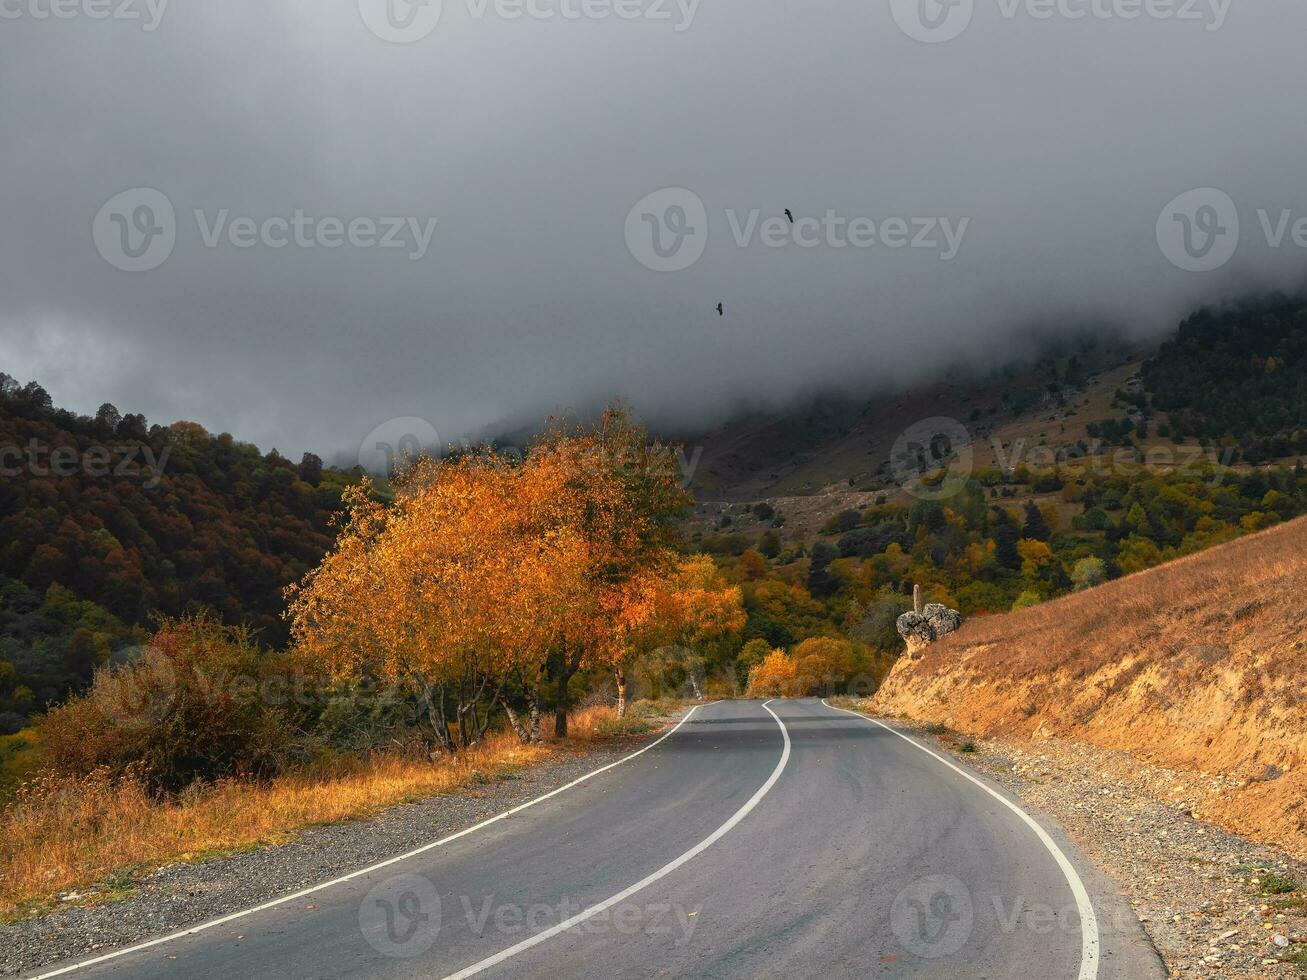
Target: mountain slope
(1200, 664)
(105, 522)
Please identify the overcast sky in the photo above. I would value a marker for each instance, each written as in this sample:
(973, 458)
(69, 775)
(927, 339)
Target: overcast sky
(1050, 146)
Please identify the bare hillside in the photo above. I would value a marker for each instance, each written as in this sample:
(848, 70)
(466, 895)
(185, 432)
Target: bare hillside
(1198, 665)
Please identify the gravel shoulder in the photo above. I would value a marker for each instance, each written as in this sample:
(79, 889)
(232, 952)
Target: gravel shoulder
(183, 895)
(1204, 896)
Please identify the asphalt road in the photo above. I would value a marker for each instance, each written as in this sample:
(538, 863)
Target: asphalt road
(786, 839)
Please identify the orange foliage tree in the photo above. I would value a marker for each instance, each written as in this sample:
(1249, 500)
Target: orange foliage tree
(623, 500)
(691, 606)
(452, 590)
(486, 578)
(776, 677)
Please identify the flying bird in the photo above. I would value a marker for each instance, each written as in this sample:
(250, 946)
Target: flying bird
(789, 214)
(720, 310)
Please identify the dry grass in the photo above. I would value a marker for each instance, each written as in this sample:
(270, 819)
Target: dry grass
(63, 833)
(1200, 664)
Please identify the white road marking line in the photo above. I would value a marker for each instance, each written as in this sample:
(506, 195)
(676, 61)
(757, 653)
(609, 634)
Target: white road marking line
(1089, 941)
(662, 872)
(371, 868)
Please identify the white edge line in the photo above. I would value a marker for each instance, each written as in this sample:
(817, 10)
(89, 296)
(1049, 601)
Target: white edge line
(1089, 941)
(370, 868)
(643, 883)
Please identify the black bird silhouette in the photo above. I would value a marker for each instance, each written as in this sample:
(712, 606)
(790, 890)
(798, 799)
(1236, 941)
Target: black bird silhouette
(789, 214)
(720, 310)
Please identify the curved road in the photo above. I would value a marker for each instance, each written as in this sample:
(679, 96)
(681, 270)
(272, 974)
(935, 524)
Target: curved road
(785, 839)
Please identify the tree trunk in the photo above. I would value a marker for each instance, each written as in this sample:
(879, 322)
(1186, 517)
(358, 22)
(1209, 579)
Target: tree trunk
(566, 668)
(534, 729)
(532, 690)
(560, 707)
(515, 721)
(620, 675)
(436, 716)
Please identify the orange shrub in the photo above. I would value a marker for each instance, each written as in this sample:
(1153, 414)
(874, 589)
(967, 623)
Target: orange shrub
(776, 677)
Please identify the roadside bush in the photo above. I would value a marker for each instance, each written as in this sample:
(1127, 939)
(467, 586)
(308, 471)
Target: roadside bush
(823, 664)
(201, 702)
(775, 677)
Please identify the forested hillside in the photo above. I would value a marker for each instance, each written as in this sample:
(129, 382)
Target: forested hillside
(1237, 374)
(106, 521)
(1107, 477)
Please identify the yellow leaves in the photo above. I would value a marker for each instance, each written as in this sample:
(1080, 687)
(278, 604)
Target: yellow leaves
(451, 577)
(1034, 555)
(484, 565)
(775, 677)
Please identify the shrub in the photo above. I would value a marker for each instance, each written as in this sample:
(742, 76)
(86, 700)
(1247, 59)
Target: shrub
(200, 703)
(845, 520)
(1088, 572)
(775, 677)
(823, 663)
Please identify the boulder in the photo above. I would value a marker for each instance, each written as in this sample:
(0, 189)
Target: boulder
(920, 629)
(942, 618)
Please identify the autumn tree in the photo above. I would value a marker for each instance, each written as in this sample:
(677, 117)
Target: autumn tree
(459, 585)
(690, 607)
(622, 499)
(776, 677)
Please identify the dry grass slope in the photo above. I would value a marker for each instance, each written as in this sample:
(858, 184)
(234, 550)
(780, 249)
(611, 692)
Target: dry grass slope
(1198, 665)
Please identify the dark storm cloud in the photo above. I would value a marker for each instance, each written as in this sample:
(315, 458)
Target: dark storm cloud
(1045, 144)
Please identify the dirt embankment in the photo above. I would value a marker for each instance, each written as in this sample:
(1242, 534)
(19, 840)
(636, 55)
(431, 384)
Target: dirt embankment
(1198, 665)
